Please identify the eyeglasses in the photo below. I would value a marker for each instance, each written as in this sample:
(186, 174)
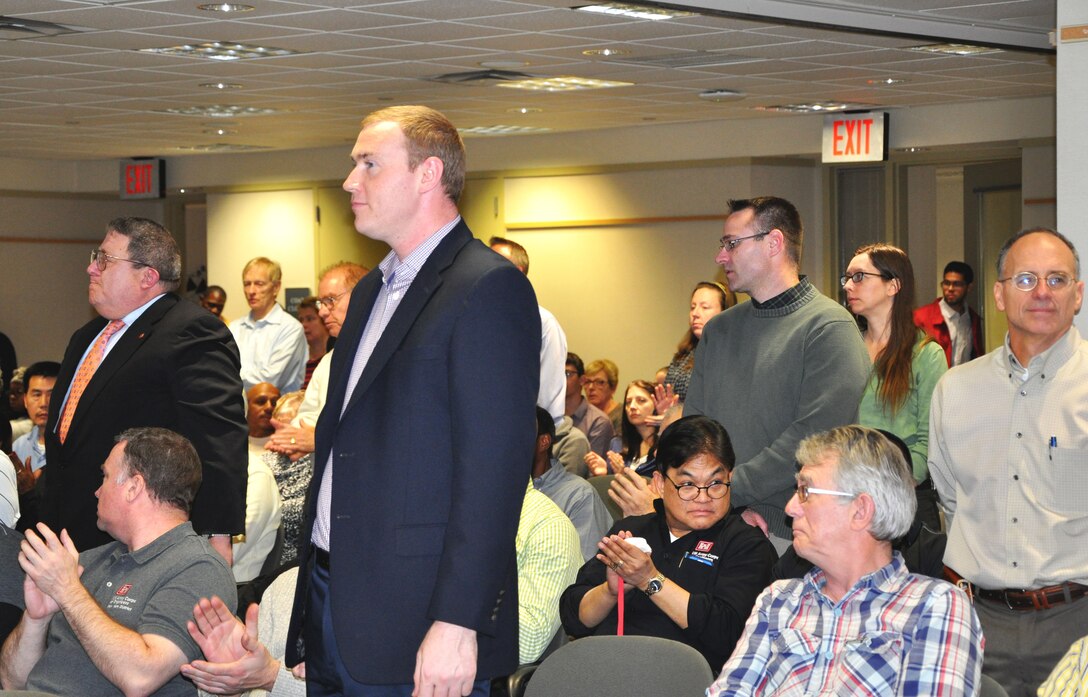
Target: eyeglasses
(570, 373)
(599, 382)
(1027, 281)
(730, 243)
(690, 492)
(804, 491)
(329, 301)
(100, 259)
(857, 277)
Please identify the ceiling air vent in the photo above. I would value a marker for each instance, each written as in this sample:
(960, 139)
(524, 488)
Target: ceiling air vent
(478, 76)
(14, 28)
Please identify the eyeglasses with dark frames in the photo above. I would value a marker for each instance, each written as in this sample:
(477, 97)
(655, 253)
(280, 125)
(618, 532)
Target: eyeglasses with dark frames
(690, 492)
(857, 277)
(730, 243)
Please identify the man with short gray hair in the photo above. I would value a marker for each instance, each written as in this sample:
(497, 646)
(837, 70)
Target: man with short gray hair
(270, 341)
(1011, 477)
(858, 623)
(114, 617)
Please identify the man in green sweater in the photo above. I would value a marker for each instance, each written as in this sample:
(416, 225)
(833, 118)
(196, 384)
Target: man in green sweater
(774, 370)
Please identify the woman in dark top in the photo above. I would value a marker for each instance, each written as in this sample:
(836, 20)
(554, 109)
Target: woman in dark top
(639, 429)
(706, 566)
(707, 300)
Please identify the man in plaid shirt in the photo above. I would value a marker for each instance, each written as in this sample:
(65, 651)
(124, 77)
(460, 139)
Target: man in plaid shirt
(859, 623)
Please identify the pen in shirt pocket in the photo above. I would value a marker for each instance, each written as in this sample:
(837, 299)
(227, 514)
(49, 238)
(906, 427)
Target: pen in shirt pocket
(1053, 444)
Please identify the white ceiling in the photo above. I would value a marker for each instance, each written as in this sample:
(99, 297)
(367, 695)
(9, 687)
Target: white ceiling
(91, 94)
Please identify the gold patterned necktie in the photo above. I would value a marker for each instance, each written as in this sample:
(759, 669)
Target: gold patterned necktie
(84, 374)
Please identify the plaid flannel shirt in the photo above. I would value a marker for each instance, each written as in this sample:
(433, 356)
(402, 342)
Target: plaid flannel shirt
(893, 633)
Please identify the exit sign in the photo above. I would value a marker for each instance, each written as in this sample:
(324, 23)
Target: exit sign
(860, 137)
(143, 177)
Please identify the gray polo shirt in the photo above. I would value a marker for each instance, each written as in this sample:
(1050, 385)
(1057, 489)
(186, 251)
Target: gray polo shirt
(151, 591)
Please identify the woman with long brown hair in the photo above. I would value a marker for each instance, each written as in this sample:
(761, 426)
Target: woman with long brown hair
(707, 300)
(879, 285)
(639, 429)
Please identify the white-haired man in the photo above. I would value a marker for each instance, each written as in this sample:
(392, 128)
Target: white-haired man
(858, 623)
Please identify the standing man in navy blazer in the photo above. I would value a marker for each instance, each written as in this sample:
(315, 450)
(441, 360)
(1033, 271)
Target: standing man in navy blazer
(408, 575)
(170, 364)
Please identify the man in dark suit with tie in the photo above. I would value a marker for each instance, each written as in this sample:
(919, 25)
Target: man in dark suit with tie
(408, 573)
(149, 359)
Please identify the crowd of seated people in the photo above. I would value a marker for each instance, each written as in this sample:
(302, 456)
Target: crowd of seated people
(694, 558)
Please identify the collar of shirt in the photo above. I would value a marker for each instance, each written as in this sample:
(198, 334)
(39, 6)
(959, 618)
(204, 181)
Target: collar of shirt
(884, 579)
(157, 546)
(399, 273)
(275, 316)
(1049, 361)
(128, 320)
(947, 310)
(554, 471)
(785, 298)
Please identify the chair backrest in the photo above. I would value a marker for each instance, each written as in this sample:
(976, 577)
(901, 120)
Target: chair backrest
(991, 688)
(620, 666)
(601, 484)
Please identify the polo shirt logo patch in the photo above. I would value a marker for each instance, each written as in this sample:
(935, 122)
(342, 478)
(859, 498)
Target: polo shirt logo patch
(123, 590)
(702, 558)
(704, 546)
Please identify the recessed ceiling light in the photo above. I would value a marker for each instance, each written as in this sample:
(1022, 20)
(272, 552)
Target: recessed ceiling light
(524, 110)
(221, 132)
(221, 85)
(624, 9)
(957, 49)
(562, 83)
(887, 81)
(721, 95)
(810, 108)
(225, 7)
(500, 130)
(606, 52)
(220, 50)
(910, 150)
(224, 111)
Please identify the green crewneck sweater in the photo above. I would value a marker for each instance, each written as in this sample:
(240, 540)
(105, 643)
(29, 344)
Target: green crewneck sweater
(773, 376)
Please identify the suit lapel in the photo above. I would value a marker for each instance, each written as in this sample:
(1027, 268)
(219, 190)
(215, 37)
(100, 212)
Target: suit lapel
(419, 293)
(130, 342)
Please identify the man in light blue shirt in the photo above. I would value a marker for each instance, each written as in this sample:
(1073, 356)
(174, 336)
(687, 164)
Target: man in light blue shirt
(270, 341)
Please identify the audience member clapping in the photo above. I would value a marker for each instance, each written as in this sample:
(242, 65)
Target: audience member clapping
(639, 430)
(706, 565)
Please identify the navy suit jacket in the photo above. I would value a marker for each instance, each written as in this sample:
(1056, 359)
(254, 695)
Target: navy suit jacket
(431, 458)
(176, 367)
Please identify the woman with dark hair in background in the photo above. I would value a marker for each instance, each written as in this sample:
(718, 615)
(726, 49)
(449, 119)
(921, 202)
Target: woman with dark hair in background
(639, 434)
(708, 299)
(879, 286)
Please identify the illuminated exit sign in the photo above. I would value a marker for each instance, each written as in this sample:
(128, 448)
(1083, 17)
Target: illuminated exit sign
(143, 177)
(861, 137)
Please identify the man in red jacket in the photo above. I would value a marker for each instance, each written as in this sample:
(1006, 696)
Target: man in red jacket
(948, 319)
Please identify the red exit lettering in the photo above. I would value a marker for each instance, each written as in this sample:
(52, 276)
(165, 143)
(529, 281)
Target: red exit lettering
(852, 137)
(138, 179)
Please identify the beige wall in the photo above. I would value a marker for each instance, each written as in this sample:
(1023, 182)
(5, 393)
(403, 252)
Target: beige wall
(45, 241)
(275, 224)
(615, 255)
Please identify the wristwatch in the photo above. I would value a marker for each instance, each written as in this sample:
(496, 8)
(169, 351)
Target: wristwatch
(655, 584)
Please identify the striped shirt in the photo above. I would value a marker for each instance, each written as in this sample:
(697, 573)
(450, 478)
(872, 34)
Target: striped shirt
(893, 633)
(1070, 677)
